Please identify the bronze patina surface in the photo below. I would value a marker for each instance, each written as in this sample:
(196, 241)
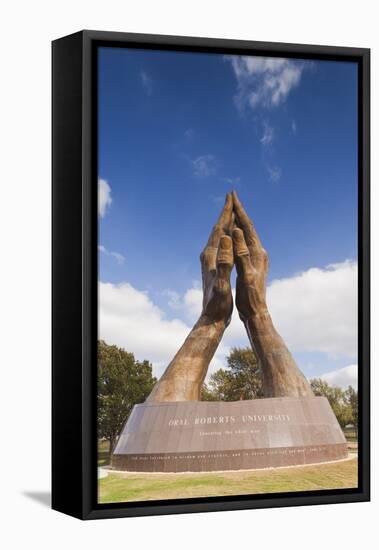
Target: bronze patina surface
(232, 240)
(184, 376)
(174, 431)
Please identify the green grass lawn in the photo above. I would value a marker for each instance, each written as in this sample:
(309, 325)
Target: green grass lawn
(126, 487)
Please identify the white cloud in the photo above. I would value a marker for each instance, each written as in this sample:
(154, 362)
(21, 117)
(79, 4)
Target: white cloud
(174, 298)
(317, 309)
(204, 166)
(347, 376)
(119, 257)
(192, 302)
(294, 127)
(104, 197)
(268, 134)
(314, 311)
(265, 81)
(147, 82)
(274, 173)
(266, 140)
(129, 319)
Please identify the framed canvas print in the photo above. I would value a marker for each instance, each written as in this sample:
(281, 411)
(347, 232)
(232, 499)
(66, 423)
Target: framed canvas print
(210, 275)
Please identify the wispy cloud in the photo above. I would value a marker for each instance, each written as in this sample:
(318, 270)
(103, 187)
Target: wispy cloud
(120, 259)
(189, 133)
(264, 81)
(233, 182)
(174, 299)
(268, 134)
(274, 173)
(147, 82)
(347, 376)
(263, 84)
(218, 199)
(104, 197)
(204, 166)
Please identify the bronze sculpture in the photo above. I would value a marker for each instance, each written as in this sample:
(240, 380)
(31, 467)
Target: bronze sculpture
(232, 240)
(174, 431)
(184, 376)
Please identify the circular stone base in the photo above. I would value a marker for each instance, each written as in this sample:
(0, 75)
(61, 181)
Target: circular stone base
(202, 436)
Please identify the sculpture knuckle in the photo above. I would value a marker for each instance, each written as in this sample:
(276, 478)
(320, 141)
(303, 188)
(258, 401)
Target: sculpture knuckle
(208, 255)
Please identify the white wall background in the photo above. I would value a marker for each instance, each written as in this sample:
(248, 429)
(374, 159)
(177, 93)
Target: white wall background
(26, 31)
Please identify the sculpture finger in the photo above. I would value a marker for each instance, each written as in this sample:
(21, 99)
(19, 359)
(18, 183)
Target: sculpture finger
(225, 219)
(225, 258)
(224, 224)
(241, 254)
(257, 252)
(245, 223)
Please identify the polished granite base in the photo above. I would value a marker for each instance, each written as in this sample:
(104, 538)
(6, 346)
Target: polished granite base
(202, 436)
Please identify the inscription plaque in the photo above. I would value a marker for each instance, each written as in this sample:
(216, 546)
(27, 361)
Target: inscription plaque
(211, 436)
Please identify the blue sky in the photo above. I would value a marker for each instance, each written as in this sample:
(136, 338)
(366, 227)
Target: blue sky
(178, 130)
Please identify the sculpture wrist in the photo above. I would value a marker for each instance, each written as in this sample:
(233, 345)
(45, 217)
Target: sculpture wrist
(205, 320)
(281, 375)
(262, 333)
(184, 376)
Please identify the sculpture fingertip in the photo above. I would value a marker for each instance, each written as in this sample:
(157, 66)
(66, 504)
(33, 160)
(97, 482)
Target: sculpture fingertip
(226, 242)
(238, 233)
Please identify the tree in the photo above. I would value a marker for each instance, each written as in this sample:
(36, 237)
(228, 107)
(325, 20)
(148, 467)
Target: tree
(352, 398)
(207, 394)
(337, 398)
(122, 382)
(240, 380)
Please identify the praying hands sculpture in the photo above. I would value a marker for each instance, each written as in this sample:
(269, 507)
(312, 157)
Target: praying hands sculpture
(233, 240)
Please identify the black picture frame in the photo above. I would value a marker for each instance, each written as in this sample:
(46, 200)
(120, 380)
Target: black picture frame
(74, 272)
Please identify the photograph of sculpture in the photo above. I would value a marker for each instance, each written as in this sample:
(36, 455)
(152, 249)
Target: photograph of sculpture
(227, 275)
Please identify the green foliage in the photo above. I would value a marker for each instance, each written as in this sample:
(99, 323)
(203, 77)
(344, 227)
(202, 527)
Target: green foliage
(341, 401)
(121, 383)
(352, 398)
(240, 380)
